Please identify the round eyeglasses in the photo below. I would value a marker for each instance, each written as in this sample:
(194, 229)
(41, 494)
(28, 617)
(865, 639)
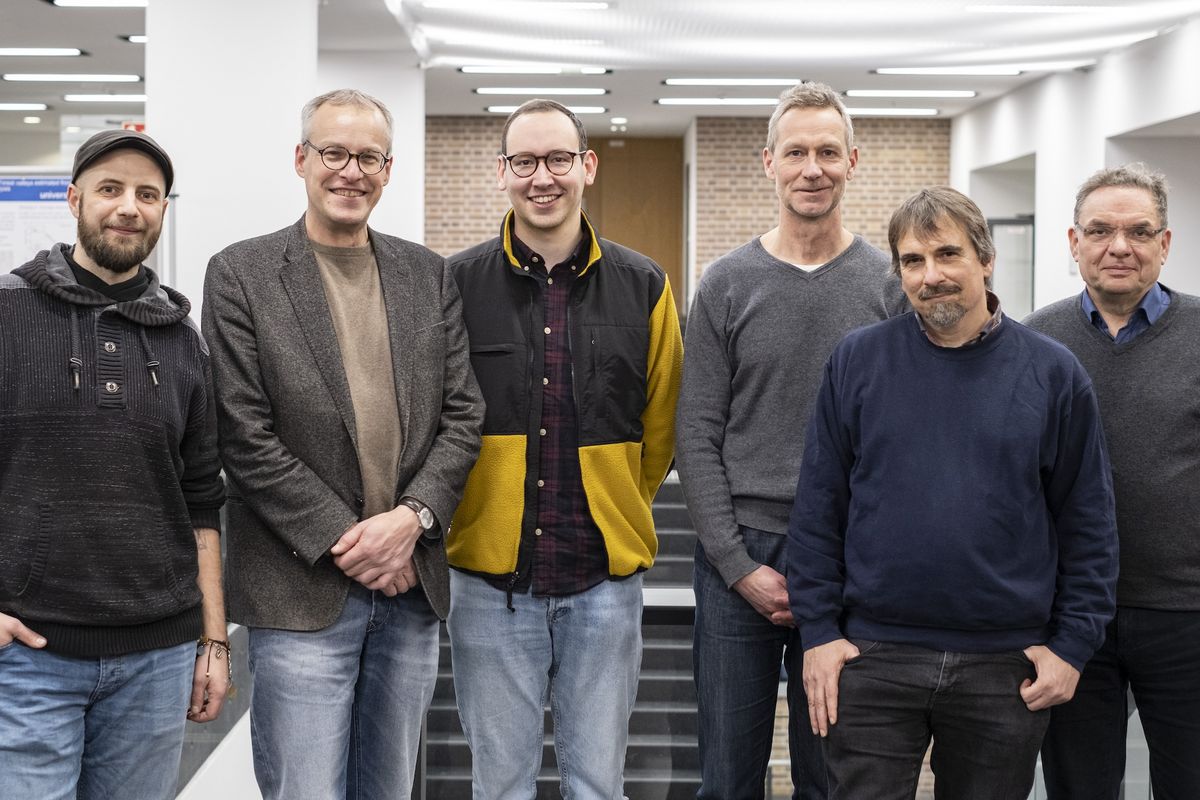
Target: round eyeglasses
(336, 157)
(558, 162)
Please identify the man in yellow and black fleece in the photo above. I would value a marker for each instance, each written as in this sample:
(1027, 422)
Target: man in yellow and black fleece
(575, 342)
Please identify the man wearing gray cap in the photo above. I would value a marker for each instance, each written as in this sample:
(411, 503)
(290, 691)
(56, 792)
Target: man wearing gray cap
(112, 624)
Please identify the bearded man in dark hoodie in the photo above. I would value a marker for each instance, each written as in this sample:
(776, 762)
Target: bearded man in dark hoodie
(112, 623)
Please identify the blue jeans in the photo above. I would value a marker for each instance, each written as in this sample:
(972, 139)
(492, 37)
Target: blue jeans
(92, 728)
(892, 698)
(1157, 654)
(736, 657)
(337, 713)
(583, 651)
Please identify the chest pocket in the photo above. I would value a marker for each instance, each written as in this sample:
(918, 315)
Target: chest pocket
(617, 389)
(502, 369)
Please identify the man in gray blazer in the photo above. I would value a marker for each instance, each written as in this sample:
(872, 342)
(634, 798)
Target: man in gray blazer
(349, 419)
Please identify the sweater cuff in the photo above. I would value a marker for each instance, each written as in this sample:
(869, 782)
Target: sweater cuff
(734, 565)
(1071, 650)
(814, 633)
(206, 518)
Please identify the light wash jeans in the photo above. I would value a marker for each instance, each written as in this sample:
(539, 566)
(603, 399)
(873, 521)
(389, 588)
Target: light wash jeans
(583, 651)
(92, 728)
(337, 713)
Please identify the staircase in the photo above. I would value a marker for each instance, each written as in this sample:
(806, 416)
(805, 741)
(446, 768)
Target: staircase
(661, 761)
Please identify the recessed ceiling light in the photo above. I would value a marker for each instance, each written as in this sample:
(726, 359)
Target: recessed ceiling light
(717, 101)
(909, 93)
(40, 51)
(100, 3)
(537, 91)
(46, 77)
(574, 109)
(892, 112)
(731, 81)
(31, 120)
(105, 98)
(984, 70)
(135, 38)
(510, 69)
(22, 106)
(519, 5)
(989, 8)
(619, 121)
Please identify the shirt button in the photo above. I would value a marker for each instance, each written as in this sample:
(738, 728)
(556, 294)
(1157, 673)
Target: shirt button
(545, 381)
(572, 269)
(537, 531)
(535, 259)
(541, 484)
(110, 347)
(525, 268)
(550, 281)
(546, 329)
(541, 431)
(111, 387)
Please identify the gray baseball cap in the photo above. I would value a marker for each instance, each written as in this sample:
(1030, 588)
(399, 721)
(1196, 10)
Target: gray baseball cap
(105, 142)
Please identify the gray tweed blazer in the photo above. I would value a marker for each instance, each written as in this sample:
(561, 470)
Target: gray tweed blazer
(287, 433)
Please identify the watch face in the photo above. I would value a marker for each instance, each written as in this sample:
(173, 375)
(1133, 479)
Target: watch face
(425, 517)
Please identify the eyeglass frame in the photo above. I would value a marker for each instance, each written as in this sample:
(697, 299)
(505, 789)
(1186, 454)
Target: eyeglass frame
(542, 159)
(1124, 231)
(387, 159)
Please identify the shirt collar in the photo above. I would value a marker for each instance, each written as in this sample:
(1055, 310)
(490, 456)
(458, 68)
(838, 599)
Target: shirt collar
(1154, 304)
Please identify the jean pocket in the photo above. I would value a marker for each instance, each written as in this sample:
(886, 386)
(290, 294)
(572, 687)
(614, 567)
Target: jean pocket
(865, 647)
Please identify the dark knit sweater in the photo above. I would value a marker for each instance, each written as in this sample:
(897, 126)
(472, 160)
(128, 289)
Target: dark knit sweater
(1149, 391)
(954, 498)
(108, 461)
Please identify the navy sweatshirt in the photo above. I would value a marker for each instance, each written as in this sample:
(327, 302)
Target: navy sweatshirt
(954, 498)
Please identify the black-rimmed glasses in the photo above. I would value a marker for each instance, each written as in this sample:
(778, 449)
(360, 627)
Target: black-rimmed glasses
(336, 157)
(558, 162)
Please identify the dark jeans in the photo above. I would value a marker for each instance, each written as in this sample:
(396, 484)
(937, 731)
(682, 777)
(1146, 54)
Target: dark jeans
(893, 698)
(1157, 654)
(736, 657)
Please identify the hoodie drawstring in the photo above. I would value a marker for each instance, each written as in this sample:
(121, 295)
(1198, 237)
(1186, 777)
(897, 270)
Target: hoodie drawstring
(151, 362)
(75, 362)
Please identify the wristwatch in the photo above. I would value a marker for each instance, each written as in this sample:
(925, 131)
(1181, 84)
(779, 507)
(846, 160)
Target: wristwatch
(425, 517)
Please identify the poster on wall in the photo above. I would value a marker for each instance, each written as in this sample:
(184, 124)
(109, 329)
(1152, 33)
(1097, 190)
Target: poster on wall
(33, 216)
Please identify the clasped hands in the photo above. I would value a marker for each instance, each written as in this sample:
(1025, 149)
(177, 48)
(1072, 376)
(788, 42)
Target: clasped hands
(377, 552)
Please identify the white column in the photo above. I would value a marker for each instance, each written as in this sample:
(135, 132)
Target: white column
(226, 80)
(395, 79)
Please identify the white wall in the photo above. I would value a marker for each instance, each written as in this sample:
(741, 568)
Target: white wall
(31, 149)
(1066, 121)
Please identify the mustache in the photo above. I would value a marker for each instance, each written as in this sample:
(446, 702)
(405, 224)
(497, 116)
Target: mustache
(941, 290)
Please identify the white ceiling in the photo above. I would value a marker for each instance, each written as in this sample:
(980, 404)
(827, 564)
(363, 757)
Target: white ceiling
(642, 42)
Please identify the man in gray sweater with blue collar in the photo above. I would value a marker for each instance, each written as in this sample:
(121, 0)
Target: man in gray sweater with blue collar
(1140, 343)
(765, 319)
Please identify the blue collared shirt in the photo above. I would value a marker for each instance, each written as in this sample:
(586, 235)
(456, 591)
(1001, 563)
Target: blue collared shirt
(1153, 306)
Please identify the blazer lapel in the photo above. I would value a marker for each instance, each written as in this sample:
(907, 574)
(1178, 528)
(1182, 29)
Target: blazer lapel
(302, 280)
(395, 277)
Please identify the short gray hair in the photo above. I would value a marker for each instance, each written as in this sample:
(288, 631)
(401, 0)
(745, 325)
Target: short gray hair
(345, 97)
(1136, 175)
(808, 94)
(924, 213)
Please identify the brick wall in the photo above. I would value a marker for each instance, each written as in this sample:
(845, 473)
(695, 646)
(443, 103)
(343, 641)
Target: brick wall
(735, 201)
(462, 204)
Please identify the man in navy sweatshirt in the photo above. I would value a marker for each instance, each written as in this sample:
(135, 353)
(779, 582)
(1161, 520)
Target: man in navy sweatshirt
(952, 554)
(1140, 342)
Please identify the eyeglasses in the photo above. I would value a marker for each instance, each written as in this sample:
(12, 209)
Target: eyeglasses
(1103, 234)
(336, 157)
(558, 162)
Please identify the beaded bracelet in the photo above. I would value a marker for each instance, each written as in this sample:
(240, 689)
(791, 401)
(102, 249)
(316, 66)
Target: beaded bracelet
(205, 645)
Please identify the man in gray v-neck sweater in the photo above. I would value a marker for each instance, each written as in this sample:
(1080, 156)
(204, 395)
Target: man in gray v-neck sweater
(1140, 343)
(763, 323)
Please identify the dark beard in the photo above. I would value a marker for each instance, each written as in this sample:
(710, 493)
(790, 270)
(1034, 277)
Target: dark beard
(114, 258)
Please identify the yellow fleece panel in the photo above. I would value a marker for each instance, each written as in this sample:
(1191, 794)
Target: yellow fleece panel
(486, 530)
(664, 373)
(613, 481)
